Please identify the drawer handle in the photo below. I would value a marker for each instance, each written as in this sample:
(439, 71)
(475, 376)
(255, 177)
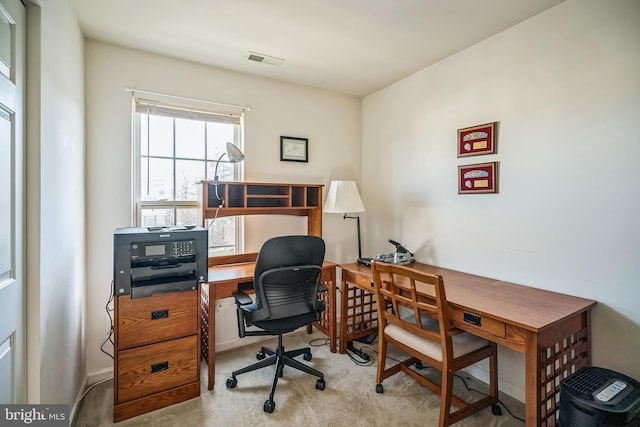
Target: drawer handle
(474, 319)
(160, 367)
(159, 314)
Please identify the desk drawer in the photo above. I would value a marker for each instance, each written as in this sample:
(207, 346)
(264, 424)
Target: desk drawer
(486, 325)
(153, 368)
(157, 318)
(361, 282)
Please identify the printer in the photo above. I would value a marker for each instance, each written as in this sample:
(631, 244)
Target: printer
(157, 260)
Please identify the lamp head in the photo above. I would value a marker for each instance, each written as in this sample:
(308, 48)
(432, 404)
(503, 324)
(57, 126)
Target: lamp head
(235, 156)
(234, 153)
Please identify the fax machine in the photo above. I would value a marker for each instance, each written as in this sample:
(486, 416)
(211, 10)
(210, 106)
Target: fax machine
(155, 260)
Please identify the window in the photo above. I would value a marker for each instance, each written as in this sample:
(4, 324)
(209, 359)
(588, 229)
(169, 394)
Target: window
(174, 148)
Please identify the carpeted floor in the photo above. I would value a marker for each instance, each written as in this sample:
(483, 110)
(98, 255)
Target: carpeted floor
(349, 399)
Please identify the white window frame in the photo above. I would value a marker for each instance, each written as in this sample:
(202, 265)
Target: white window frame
(185, 109)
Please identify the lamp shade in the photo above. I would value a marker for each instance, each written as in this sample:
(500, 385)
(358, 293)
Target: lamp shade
(235, 156)
(234, 153)
(343, 197)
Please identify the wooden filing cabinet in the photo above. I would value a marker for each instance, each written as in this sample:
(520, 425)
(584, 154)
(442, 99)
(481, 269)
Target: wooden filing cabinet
(156, 352)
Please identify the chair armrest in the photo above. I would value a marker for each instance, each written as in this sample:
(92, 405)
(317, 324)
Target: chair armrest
(242, 298)
(322, 288)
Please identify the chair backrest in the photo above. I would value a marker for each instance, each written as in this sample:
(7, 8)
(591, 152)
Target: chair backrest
(287, 276)
(414, 301)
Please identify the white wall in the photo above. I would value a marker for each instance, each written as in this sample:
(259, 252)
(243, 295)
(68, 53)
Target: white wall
(55, 205)
(330, 121)
(564, 87)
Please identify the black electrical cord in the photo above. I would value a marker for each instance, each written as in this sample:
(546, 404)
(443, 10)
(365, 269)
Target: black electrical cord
(484, 394)
(110, 337)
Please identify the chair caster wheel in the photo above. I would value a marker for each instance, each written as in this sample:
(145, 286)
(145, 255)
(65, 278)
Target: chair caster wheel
(419, 365)
(231, 382)
(496, 409)
(320, 384)
(307, 356)
(269, 406)
(379, 389)
(260, 355)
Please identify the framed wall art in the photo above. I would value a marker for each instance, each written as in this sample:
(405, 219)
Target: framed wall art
(294, 149)
(477, 140)
(478, 178)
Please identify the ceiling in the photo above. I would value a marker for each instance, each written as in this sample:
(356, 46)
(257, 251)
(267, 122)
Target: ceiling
(354, 47)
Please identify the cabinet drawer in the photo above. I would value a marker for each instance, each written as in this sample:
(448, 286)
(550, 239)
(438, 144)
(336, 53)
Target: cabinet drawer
(162, 317)
(486, 325)
(153, 368)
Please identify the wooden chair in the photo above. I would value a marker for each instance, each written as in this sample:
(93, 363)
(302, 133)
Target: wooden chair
(414, 316)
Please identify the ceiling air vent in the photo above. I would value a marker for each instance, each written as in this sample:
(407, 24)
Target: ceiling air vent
(265, 59)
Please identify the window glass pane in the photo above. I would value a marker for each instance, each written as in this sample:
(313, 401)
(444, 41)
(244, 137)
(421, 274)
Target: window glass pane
(151, 217)
(157, 180)
(222, 233)
(189, 139)
(187, 216)
(188, 172)
(161, 136)
(218, 134)
(225, 171)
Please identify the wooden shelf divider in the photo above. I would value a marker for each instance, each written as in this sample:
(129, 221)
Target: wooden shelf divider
(259, 198)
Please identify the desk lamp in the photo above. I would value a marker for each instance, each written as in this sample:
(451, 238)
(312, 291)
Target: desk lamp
(235, 156)
(343, 197)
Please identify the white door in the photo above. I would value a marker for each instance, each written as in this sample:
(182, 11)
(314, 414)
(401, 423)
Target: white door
(12, 287)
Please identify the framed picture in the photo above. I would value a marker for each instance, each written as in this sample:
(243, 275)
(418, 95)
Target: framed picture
(478, 178)
(477, 140)
(294, 149)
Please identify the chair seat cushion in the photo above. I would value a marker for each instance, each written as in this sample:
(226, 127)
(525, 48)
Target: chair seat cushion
(463, 343)
(288, 324)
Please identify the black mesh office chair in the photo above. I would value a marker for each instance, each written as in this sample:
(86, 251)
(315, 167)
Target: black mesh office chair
(287, 282)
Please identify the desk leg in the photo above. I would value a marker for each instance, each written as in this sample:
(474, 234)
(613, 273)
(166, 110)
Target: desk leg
(211, 317)
(532, 380)
(550, 357)
(327, 322)
(344, 287)
(358, 310)
(332, 312)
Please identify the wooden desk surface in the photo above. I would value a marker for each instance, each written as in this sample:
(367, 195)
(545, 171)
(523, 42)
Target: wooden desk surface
(240, 271)
(529, 308)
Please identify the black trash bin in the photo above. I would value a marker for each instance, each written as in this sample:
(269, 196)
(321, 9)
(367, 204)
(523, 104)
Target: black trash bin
(599, 397)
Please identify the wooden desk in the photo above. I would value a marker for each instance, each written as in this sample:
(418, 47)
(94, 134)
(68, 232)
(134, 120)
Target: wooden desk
(553, 330)
(226, 279)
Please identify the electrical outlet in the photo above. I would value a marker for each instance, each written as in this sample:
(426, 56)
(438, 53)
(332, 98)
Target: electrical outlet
(107, 323)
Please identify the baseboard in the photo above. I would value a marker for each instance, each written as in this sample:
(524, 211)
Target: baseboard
(78, 399)
(100, 375)
(88, 382)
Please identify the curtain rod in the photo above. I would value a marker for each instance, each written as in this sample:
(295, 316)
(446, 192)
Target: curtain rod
(241, 107)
